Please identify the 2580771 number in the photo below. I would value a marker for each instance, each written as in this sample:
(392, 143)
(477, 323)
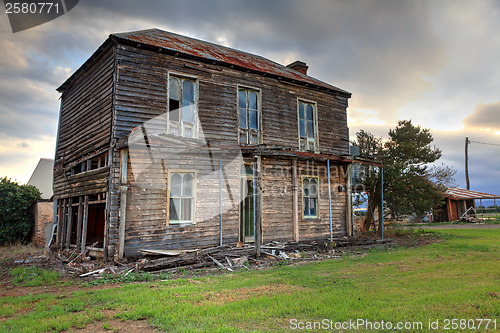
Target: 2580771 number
(31, 8)
(471, 324)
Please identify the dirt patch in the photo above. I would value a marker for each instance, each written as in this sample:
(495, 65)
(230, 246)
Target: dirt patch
(240, 294)
(116, 325)
(7, 290)
(111, 324)
(412, 238)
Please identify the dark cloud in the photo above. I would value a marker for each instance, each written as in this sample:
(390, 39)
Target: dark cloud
(485, 116)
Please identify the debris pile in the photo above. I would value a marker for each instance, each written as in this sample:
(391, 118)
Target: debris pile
(244, 256)
(227, 257)
(469, 219)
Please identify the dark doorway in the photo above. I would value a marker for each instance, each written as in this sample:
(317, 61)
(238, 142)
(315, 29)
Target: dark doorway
(95, 224)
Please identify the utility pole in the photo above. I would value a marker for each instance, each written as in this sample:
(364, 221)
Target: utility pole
(467, 162)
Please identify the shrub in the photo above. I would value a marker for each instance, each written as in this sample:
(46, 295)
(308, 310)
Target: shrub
(16, 220)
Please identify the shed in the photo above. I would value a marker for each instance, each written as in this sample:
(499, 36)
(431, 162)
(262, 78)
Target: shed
(460, 201)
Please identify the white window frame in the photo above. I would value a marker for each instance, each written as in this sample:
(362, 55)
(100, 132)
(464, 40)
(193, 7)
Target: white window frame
(259, 115)
(317, 216)
(193, 208)
(180, 124)
(308, 142)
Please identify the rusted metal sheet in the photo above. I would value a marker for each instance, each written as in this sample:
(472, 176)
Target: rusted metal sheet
(218, 53)
(460, 194)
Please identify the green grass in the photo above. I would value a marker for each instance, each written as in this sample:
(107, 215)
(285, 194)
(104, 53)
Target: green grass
(487, 220)
(132, 277)
(33, 276)
(458, 277)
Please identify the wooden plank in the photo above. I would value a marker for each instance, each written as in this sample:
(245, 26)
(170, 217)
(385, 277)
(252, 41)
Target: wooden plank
(123, 201)
(295, 209)
(64, 223)
(258, 206)
(85, 222)
(59, 222)
(69, 223)
(348, 195)
(79, 224)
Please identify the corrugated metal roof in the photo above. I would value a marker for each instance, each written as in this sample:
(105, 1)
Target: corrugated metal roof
(218, 53)
(460, 193)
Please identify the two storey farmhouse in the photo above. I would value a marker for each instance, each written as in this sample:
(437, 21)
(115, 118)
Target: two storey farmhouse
(169, 142)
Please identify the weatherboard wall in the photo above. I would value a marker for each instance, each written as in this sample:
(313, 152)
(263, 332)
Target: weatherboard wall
(85, 129)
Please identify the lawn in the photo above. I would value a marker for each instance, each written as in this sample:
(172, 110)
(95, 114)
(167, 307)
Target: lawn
(457, 278)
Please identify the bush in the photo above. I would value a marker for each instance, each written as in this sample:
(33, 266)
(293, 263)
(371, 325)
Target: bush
(16, 220)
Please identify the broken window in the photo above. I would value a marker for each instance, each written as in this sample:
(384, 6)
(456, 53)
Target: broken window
(181, 202)
(307, 126)
(310, 196)
(88, 164)
(248, 117)
(182, 106)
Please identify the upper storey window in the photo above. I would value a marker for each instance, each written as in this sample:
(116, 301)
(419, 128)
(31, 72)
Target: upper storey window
(182, 106)
(308, 137)
(248, 117)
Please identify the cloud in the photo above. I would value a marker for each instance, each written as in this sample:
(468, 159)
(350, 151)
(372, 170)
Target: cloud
(23, 145)
(485, 117)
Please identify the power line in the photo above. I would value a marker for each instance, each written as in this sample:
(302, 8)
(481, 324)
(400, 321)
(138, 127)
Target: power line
(486, 143)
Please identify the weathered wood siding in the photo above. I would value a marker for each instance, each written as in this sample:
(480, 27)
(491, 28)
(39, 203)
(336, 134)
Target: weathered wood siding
(277, 200)
(147, 199)
(84, 129)
(310, 228)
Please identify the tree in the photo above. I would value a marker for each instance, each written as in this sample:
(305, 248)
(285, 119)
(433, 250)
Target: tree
(16, 221)
(410, 186)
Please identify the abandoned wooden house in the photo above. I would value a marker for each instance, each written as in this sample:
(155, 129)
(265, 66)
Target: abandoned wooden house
(169, 142)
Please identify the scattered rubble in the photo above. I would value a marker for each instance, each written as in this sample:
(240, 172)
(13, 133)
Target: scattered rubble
(469, 219)
(88, 266)
(226, 257)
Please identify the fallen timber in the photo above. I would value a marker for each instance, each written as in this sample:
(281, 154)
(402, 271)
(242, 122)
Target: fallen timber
(218, 255)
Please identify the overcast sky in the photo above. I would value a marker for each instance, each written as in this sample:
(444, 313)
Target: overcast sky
(435, 62)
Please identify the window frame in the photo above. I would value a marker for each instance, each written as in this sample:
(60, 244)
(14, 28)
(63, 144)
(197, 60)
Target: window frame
(181, 77)
(195, 181)
(259, 115)
(310, 217)
(315, 124)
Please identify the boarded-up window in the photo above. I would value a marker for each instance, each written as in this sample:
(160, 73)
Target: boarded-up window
(310, 197)
(181, 201)
(248, 116)
(307, 126)
(182, 107)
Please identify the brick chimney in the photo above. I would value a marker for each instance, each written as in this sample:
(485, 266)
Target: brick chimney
(299, 66)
